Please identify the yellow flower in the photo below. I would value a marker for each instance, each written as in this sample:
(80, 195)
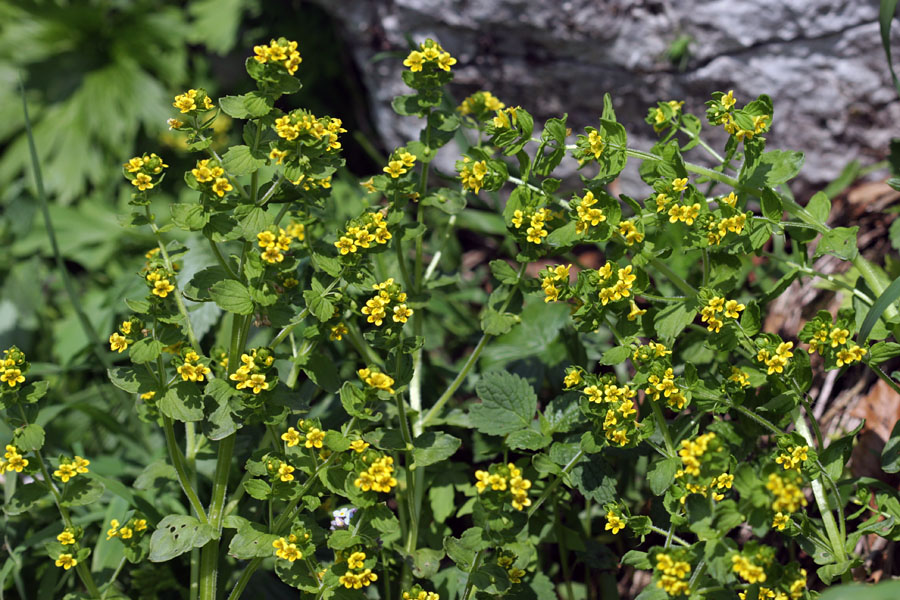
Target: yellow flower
(596, 143)
(728, 100)
(66, 538)
(162, 288)
(66, 561)
(65, 472)
(781, 521)
(81, 464)
(356, 560)
(635, 311)
(314, 438)
(221, 186)
(614, 522)
(401, 313)
(395, 169)
(680, 184)
(286, 549)
(285, 472)
(359, 446)
(113, 530)
(142, 182)
(291, 436)
(12, 377)
(126, 533)
(414, 61)
(185, 102)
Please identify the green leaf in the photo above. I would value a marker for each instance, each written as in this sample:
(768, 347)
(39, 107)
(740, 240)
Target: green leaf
(775, 167)
(257, 104)
(252, 220)
(190, 217)
(177, 534)
(353, 400)
(662, 475)
(131, 380)
(35, 391)
(750, 319)
(323, 372)
(318, 305)
(24, 498)
(772, 207)
(240, 161)
(886, 590)
(145, 350)
(257, 488)
(890, 456)
(527, 439)
(563, 413)
(504, 273)
(594, 479)
(182, 402)
(508, 403)
(672, 319)
(819, 206)
(251, 539)
(840, 241)
(885, 17)
(433, 447)
(883, 351)
(615, 356)
(836, 455)
(233, 106)
(494, 322)
(81, 491)
(30, 437)
(232, 296)
(426, 562)
(462, 550)
(888, 297)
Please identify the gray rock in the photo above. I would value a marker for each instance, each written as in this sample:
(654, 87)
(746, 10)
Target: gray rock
(820, 60)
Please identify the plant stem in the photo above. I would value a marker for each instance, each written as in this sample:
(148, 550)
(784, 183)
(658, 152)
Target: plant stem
(674, 277)
(112, 579)
(221, 260)
(663, 532)
(180, 469)
(549, 489)
(663, 428)
(702, 144)
(476, 562)
(563, 552)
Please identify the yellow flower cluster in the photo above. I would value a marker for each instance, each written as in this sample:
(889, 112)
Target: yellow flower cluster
(192, 369)
(650, 351)
(159, 281)
(535, 231)
(501, 478)
(613, 291)
(298, 123)
(399, 163)
(837, 337)
(747, 569)
(572, 378)
(780, 521)
(614, 522)
(717, 304)
(362, 577)
(376, 379)
(126, 531)
(421, 594)
(213, 177)
(666, 387)
(286, 548)
(142, 169)
(12, 367)
(370, 228)
(659, 115)
(675, 575)
(430, 53)
(188, 101)
(66, 537)
(722, 113)
(276, 241)
(595, 143)
(692, 454)
(311, 436)
(379, 477)
(12, 460)
(249, 375)
(739, 377)
(778, 361)
(281, 52)
(478, 103)
(70, 467)
(555, 275)
(119, 340)
(788, 495)
(619, 419)
(719, 229)
(377, 306)
(506, 119)
(629, 232)
(793, 458)
(506, 560)
(472, 174)
(684, 213)
(588, 216)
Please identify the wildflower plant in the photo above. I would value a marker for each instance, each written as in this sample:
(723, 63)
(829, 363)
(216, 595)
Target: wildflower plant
(656, 415)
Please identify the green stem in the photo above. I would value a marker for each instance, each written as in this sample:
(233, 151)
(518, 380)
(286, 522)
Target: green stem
(834, 538)
(112, 580)
(563, 552)
(209, 554)
(674, 537)
(694, 136)
(549, 489)
(221, 260)
(885, 377)
(663, 428)
(674, 277)
(467, 591)
(178, 462)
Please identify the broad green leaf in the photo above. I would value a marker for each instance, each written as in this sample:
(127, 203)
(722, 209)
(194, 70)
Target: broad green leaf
(494, 322)
(145, 350)
(177, 534)
(819, 207)
(239, 160)
(662, 475)
(462, 550)
(887, 298)
(594, 479)
(257, 488)
(353, 400)
(890, 456)
(433, 447)
(527, 439)
(232, 296)
(672, 320)
(616, 355)
(771, 204)
(836, 455)
(233, 106)
(30, 437)
(318, 305)
(563, 412)
(508, 403)
(426, 562)
(883, 351)
(182, 402)
(504, 273)
(840, 241)
(81, 491)
(441, 497)
(25, 497)
(322, 370)
(886, 590)
(251, 539)
(131, 380)
(190, 217)
(775, 167)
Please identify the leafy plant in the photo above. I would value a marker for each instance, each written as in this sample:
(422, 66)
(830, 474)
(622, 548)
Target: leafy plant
(306, 364)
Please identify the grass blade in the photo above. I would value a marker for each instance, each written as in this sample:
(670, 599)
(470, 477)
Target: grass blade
(885, 17)
(890, 295)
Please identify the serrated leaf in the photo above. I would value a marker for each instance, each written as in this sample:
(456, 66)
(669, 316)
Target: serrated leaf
(840, 241)
(615, 356)
(177, 534)
(182, 402)
(145, 350)
(24, 498)
(318, 305)
(594, 479)
(494, 322)
(233, 106)
(257, 488)
(251, 540)
(433, 447)
(504, 273)
(527, 439)
(662, 475)
(30, 437)
(232, 296)
(239, 160)
(81, 491)
(672, 319)
(508, 403)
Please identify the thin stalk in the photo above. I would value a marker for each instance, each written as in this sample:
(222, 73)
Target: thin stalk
(885, 377)
(221, 260)
(180, 469)
(209, 554)
(674, 277)
(705, 254)
(112, 579)
(563, 552)
(467, 591)
(675, 538)
(693, 135)
(663, 428)
(549, 489)
(272, 189)
(410, 475)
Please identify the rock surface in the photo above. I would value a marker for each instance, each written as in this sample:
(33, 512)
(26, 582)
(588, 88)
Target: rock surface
(820, 60)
